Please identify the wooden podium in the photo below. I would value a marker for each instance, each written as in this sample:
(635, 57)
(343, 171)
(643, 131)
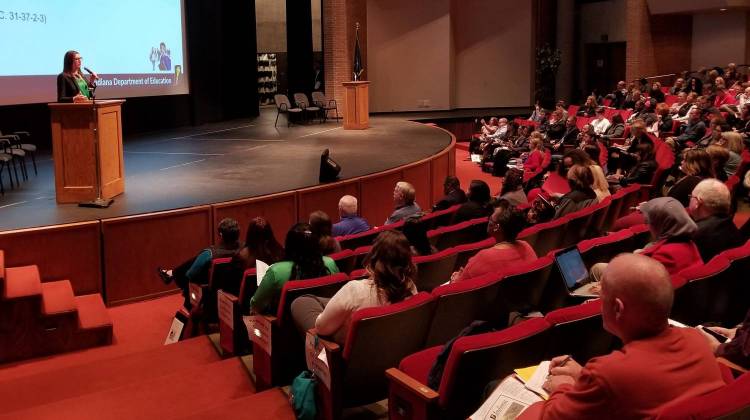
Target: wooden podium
(79, 172)
(356, 105)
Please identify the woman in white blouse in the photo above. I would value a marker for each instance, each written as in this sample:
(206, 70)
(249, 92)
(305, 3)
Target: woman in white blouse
(391, 280)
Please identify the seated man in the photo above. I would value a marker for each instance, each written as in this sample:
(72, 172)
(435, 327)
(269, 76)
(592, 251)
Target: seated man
(657, 365)
(694, 130)
(403, 201)
(709, 206)
(195, 270)
(453, 194)
(350, 223)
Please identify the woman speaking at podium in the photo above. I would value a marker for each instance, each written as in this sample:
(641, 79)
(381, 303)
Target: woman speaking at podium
(71, 85)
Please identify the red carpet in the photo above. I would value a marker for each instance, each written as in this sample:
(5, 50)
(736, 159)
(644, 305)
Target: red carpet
(180, 394)
(466, 170)
(272, 405)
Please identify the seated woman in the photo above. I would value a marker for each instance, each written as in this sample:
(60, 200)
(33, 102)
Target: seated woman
(696, 166)
(584, 158)
(719, 157)
(478, 204)
(416, 233)
(321, 225)
(672, 228)
(581, 193)
(616, 129)
(260, 244)
(512, 190)
(504, 225)
(535, 159)
(302, 260)
(589, 107)
(643, 171)
(391, 280)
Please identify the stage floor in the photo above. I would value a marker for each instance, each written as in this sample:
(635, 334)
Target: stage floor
(226, 161)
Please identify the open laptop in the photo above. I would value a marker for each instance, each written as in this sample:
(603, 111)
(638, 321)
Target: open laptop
(574, 272)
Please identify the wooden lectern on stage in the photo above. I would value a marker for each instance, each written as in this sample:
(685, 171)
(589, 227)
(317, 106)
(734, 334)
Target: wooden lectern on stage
(356, 105)
(79, 172)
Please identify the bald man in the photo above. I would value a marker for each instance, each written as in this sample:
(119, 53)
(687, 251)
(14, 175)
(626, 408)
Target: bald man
(710, 207)
(657, 364)
(350, 222)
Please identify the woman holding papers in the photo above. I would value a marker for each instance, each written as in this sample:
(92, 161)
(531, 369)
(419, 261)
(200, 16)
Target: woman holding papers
(71, 85)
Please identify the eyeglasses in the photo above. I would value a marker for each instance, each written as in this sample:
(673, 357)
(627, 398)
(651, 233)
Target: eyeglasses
(78, 58)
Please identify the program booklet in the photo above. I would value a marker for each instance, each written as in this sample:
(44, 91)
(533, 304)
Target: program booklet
(507, 401)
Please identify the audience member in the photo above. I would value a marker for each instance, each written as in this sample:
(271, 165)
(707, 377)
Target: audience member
(302, 260)
(696, 166)
(536, 155)
(719, 157)
(600, 124)
(504, 225)
(656, 92)
(733, 143)
(478, 203)
(581, 157)
(581, 193)
(737, 349)
(555, 127)
(453, 194)
(350, 222)
(663, 123)
(416, 233)
(260, 244)
(538, 115)
(321, 226)
(195, 270)
(616, 129)
(677, 87)
(589, 107)
(645, 166)
(512, 190)
(391, 280)
(672, 229)
(540, 211)
(403, 201)
(710, 207)
(618, 95)
(657, 365)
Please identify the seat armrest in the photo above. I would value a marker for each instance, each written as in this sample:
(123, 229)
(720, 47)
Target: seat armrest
(22, 133)
(407, 382)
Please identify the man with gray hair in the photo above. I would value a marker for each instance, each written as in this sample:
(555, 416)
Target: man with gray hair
(403, 201)
(657, 364)
(350, 222)
(710, 207)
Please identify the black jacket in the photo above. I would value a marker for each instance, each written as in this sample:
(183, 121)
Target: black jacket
(67, 88)
(715, 234)
(641, 173)
(451, 199)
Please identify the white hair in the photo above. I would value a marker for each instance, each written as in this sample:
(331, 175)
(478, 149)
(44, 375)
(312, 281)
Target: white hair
(714, 195)
(407, 191)
(348, 205)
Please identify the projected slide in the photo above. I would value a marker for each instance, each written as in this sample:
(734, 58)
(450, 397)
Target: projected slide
(137, 47)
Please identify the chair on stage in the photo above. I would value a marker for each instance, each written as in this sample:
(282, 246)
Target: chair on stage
(301, 100)
(325, 104)
(283, 106)
(20, 139)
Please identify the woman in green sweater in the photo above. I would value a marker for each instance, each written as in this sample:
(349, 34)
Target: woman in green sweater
(302, 260)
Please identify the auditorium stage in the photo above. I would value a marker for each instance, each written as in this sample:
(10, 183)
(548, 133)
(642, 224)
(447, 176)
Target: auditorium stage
(226, 161)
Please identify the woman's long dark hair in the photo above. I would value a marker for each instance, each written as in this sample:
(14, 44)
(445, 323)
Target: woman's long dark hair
(68, 61)
(391, 265)
(261, 243)
(303, 249)
(321, 225)
(513, 181)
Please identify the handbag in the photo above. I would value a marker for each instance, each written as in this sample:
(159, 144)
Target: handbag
(302, 396)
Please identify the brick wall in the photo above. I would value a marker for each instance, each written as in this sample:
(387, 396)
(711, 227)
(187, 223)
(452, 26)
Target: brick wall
(339, 20)
(656, 44)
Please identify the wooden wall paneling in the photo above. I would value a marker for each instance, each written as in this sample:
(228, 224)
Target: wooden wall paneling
(420, 177)
(280, 210)
(62, 252)
(376, 203)
(136, 245)
(325, 197)
(439, 170)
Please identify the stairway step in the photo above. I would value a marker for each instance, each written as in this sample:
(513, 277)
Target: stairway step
(92, 313)
(45, 387)
(272, 404)
(57, 297)
(21, 282)
(170, 396)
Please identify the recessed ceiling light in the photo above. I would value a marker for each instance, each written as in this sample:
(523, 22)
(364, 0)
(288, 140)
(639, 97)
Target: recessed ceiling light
(722, 10)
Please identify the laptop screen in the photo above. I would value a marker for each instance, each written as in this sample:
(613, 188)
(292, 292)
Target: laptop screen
(572, 267)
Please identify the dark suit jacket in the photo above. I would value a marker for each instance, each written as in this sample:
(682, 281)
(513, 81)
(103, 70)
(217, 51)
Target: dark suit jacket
(67, 88)
(640, 174)
(451, 199)
(715, 234)
(570, 136)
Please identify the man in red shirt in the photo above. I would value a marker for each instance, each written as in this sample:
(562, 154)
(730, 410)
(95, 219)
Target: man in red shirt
(657, 364)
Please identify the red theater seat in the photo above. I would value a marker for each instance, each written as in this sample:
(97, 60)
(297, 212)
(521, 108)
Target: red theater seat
(729, 402)
(700, 291)
(434, 270)
(578, 331)
(474, 361)
(604, 248)
(465, 252)
(544, 237)
(376, 342)
(439, 218)
(344, 259)
(459, 234)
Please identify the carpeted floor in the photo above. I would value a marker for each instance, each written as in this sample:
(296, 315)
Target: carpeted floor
(466, 170)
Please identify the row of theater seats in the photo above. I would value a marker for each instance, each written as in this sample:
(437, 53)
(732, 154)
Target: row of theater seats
(431, 319)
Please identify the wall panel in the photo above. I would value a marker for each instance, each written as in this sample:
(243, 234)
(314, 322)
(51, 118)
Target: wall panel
(280, 210)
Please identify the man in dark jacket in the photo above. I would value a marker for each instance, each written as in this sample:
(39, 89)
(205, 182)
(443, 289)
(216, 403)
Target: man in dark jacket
(694, 130)
(453, 194)
(710, 207)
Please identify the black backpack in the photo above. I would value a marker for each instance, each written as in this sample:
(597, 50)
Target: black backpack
(436, 371)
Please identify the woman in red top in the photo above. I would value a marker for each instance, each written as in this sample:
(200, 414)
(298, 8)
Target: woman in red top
(536, 155)
(672, 229)
(504, 225)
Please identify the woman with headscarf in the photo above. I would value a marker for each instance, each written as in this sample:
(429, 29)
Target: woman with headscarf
(672, 229)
